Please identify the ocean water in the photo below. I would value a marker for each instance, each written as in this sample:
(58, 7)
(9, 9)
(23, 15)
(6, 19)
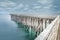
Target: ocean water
(9, 30)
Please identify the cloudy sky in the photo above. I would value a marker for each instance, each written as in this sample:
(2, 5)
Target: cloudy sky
(30, 6)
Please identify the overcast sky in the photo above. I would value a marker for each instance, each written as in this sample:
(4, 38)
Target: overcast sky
(30, 6)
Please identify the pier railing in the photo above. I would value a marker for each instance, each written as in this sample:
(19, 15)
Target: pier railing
(51, 32)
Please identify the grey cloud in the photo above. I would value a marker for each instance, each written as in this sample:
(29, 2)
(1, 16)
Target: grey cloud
(7, 4)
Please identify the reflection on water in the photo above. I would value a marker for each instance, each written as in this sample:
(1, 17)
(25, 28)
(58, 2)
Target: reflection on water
(9, 30)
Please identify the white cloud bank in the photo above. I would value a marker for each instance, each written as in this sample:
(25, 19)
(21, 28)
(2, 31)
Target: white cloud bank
(43, 5)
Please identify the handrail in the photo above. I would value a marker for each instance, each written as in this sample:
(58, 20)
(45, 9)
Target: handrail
(46, 32)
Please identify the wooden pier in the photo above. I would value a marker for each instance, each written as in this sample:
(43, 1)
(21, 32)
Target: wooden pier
(37, 23)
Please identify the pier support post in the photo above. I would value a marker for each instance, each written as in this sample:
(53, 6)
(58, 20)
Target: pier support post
(47, 22)
(30, 30)
(41, 26)
(44, 24)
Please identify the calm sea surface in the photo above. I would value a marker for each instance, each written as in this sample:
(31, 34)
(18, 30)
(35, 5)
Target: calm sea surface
(9, 30)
